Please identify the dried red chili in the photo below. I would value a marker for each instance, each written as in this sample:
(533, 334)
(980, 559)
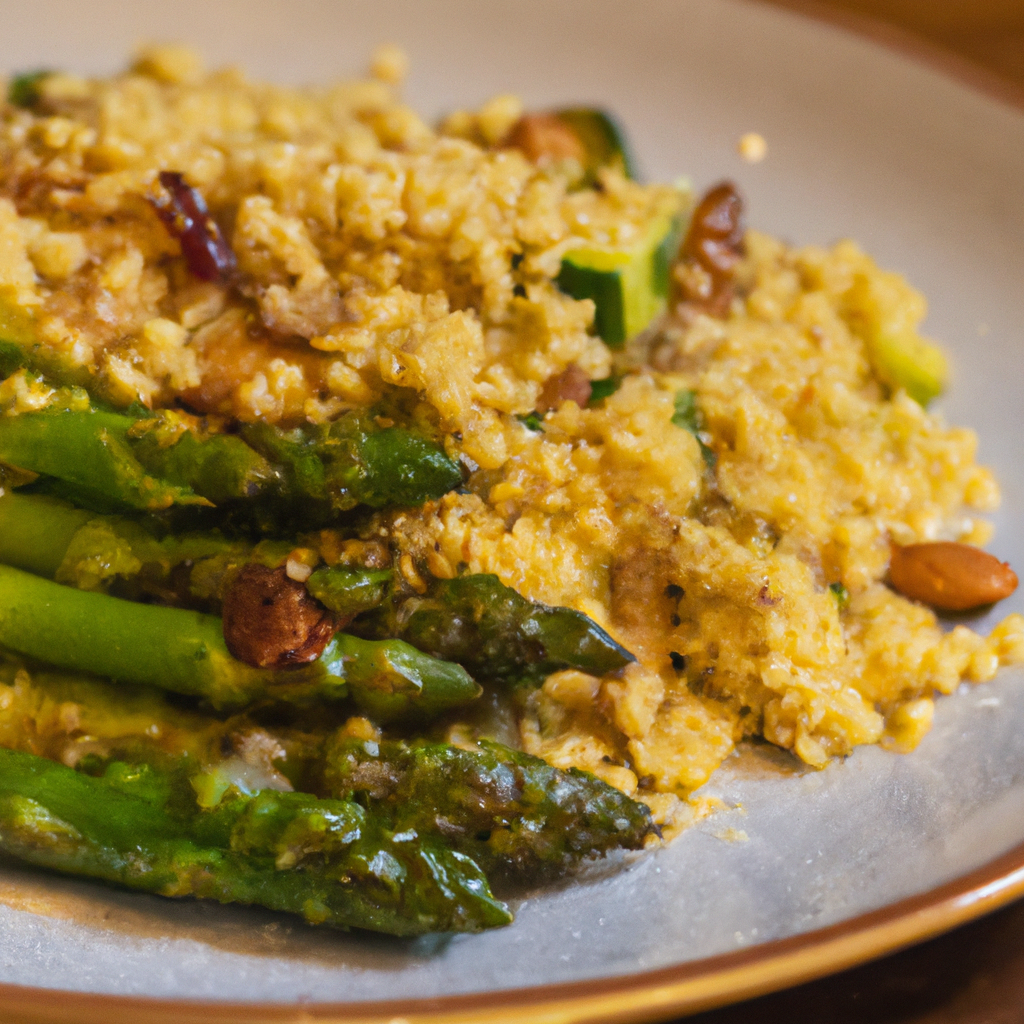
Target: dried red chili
(184, 213)
(271, 621)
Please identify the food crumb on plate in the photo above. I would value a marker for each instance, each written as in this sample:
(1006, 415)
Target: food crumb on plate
(752, 147)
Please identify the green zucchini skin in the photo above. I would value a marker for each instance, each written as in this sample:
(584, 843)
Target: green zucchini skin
(605, 289)
(629, 289)
(603, 138)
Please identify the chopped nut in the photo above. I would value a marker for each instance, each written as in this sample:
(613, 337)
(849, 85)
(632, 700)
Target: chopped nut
(544, 138)
(950, 576)
(301, 563)
(297, 571)
(271, 621)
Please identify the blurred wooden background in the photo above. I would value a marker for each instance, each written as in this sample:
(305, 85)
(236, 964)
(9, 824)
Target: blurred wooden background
(989, 33)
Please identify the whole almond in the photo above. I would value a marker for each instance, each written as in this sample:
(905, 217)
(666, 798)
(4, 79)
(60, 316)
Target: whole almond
(950, 576)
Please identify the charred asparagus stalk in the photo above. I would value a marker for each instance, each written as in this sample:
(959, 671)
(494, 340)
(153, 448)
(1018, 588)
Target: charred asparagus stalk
(516, 816)
(511, 812)
(185, 652)
(89, 452)
(304, 476)
(334, 467)
(495, 632)
(52, 538)
(328, 860)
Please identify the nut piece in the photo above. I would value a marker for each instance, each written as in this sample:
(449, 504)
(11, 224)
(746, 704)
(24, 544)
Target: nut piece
(571, 385)
(270, 621)
(545, 138)
(711, 250)
(950, 576)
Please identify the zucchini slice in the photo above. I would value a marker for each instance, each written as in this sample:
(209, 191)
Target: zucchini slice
(603, 140)
(629, 287)
(885, 312)
(910, 362)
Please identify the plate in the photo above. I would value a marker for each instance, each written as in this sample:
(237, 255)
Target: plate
(811, 871)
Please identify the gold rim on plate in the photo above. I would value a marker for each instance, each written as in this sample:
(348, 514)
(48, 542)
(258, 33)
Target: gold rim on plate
(626, 999)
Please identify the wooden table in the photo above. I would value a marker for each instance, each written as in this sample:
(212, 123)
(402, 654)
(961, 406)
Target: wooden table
(974, 975)
(988, 33)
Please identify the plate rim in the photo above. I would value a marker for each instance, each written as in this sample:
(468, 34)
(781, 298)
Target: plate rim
(679, 989)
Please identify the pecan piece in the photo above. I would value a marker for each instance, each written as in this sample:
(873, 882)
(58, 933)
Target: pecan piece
(545, 138)
(271, 621)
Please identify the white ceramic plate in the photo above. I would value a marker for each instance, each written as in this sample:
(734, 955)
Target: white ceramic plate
(929, 177)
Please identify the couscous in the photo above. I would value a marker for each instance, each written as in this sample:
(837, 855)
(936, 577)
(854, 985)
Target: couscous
(394, 410)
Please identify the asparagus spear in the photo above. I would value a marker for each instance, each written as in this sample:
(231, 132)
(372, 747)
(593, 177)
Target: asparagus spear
(511, 812)
(516, 816)
(391, 680)
(184, 652)
(115, 460)
(89, 452)
(52, 538)
(350, 462)
(494, 632)
(171, 648)
(220, 467)
(36, 531)
(328, 860)
(347, 592)
(304, 476)
(328, 468)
